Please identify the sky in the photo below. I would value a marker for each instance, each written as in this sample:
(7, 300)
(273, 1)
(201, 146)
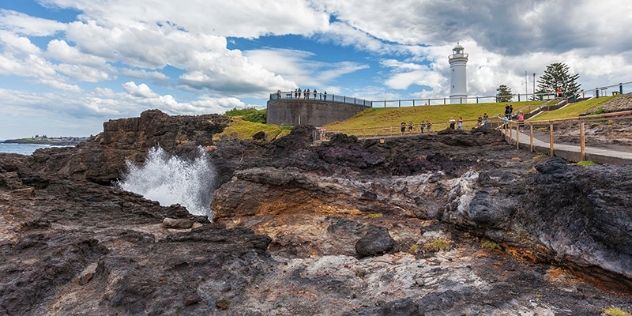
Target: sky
(67, 66)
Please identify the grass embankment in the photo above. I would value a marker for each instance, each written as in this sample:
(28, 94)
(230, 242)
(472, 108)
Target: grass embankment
(572, 110)
(242, 129)
(438, 115)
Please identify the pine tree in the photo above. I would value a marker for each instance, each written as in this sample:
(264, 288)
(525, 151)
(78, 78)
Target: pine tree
(556, 76)
(504, 94)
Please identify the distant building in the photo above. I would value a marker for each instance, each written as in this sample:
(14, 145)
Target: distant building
(458, 78)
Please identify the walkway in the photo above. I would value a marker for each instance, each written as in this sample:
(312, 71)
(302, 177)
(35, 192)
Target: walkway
(614, 154)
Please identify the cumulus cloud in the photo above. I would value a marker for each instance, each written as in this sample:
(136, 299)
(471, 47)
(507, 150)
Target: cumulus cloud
(120, 57)
(24, 24)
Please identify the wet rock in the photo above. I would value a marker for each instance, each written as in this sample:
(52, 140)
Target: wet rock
(377, 241)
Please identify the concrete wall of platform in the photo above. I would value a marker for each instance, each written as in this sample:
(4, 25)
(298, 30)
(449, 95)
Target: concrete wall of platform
(293, 112)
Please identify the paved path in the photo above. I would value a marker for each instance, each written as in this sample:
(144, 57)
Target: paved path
(572, 152)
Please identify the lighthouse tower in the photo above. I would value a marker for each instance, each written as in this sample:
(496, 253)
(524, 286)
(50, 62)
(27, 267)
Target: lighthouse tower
(458, 83)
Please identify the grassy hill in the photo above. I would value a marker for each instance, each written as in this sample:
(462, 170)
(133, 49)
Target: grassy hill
(572, 110)
(439, 115)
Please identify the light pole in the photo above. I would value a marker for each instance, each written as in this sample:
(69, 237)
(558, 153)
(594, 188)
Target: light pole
(534, 86)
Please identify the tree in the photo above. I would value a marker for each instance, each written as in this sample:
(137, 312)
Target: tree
(556, 76)
(504, 94)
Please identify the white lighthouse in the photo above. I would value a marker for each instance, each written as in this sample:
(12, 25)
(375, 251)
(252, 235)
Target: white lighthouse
(458, 83)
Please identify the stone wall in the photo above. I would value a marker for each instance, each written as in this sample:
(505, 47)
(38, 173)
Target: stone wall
(293, 112)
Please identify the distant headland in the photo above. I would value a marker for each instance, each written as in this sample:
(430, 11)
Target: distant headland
(44, 140)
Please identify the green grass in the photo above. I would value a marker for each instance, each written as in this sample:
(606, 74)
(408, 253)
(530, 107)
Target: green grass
(613, 311)
(437, 245)
(572, 110)
(586, 163)
(241, 129)
(439, 115)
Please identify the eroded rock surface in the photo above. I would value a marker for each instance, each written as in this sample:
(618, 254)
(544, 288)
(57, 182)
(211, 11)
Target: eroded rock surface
(459, 223)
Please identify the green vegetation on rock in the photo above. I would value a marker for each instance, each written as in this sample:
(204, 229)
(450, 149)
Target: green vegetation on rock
(242, 129)
(249, 114)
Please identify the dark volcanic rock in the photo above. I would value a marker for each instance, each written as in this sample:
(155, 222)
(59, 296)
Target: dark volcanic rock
(377, 241)
(101, 158)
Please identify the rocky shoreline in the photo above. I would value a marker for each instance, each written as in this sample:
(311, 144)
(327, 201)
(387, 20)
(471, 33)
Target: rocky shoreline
(458, 223)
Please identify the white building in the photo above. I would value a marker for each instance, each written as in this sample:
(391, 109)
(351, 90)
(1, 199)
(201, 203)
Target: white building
(458, 82)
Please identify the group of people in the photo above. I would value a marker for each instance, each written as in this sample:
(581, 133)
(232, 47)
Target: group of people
(423, 125)
(483, 121)
(307, 93)
(509, 115)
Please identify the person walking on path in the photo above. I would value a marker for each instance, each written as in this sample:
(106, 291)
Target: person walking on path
(452, 122)
(410, 127)
(459, 123)
(422, 125)
(429, 126)
(403, 127)
(485, 120)
(521, 121)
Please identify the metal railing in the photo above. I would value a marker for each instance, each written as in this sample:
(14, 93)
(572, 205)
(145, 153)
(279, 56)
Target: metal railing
(293, 95)
(620, 88)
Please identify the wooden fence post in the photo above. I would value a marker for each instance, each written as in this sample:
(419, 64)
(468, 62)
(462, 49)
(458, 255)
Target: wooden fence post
(582, 137)
(518, 136)
(531, 145)
(551, 140)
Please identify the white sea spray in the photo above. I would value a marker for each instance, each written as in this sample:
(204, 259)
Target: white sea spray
(173, 180)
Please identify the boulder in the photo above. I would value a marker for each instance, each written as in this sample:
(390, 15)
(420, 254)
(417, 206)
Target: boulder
(377, 241)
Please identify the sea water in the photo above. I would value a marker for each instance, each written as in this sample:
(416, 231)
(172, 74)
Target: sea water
(23, 149)
(173, 180)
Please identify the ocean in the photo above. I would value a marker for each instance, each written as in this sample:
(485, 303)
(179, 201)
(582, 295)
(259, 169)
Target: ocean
(23, 149)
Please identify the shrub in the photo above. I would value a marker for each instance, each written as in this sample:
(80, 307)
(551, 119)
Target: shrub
(413, 249)
(249, 114)
(490, 245)
(437, 245)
